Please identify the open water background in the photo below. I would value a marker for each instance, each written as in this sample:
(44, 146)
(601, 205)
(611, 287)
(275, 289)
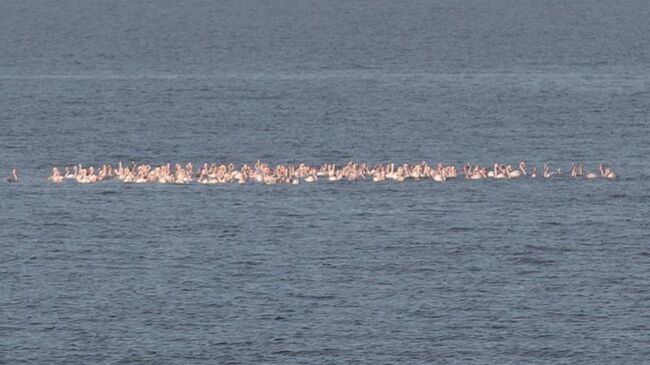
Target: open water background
(472, 272)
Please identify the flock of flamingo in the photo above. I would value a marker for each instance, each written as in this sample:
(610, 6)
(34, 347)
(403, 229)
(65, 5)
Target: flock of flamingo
(295, 174)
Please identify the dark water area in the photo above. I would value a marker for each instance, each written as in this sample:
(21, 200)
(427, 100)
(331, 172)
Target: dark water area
(534, 271)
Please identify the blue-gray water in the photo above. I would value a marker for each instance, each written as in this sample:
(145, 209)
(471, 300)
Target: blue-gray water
(470, 272)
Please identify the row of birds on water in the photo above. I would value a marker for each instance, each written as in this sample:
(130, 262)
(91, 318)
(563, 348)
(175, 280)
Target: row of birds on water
(295, 174)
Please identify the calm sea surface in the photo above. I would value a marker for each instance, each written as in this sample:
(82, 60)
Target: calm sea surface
(470, 272)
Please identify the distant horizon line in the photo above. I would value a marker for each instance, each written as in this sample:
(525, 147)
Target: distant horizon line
(289, 75)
